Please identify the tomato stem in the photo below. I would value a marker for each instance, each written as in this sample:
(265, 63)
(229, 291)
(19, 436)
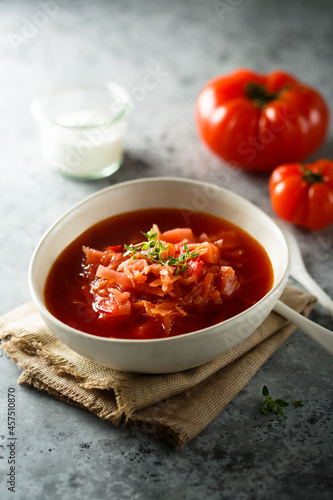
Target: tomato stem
(310, 177)
(259, 95)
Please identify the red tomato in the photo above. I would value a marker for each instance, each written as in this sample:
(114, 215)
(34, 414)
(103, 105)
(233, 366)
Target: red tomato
(258, 122)
(303, 194)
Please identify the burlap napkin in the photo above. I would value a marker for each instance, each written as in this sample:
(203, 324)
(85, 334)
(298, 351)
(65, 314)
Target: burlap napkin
(175, 406)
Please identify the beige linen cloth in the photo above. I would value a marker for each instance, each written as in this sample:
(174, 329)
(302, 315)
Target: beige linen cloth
(174, 406)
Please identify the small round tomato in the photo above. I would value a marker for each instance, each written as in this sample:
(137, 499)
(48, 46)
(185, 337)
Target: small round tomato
(303, 193)
(258, 122)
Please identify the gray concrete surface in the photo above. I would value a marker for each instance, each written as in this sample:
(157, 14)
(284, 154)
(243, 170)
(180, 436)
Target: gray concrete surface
(67, 453)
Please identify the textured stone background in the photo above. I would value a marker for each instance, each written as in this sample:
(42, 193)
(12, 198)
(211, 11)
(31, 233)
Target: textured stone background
(64, 452)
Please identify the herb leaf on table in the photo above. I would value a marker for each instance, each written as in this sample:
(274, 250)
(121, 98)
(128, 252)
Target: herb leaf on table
(270, 404)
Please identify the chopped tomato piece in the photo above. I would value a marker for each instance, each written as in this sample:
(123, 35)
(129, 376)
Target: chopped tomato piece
(178, 235)
(209, 252)
(115, 248)
(195, 268)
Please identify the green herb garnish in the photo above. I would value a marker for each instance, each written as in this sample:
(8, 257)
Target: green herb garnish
(298, 403)
(270, 403)
(153, 250)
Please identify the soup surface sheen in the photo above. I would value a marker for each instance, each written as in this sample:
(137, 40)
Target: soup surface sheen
(226, 271)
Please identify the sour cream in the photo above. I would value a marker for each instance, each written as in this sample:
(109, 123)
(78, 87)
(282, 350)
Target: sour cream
(85, 143)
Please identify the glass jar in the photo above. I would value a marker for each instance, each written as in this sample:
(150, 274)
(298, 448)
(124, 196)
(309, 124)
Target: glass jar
(82, 128)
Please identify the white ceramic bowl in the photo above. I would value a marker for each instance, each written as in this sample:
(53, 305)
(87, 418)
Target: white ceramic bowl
(174, 353)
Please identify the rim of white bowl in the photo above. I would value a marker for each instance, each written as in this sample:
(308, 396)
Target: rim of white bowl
(41, 306)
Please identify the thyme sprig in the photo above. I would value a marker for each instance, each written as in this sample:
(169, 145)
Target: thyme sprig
(154, 250)
(298, 403)
(270, 403)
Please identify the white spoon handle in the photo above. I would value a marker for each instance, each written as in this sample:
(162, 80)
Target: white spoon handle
(300, 273)
(310, 284)
(318, 333)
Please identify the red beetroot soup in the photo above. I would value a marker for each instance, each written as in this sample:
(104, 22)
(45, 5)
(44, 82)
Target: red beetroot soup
(147, 274)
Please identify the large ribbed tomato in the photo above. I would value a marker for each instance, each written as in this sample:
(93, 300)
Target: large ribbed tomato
(303, 193)
(260, 121)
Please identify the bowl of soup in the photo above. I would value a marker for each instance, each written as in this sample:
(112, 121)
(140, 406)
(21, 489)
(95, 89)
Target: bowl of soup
(158, 275)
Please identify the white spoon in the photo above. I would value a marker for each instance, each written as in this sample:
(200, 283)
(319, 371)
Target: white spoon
(318, 333)
(299, 272)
